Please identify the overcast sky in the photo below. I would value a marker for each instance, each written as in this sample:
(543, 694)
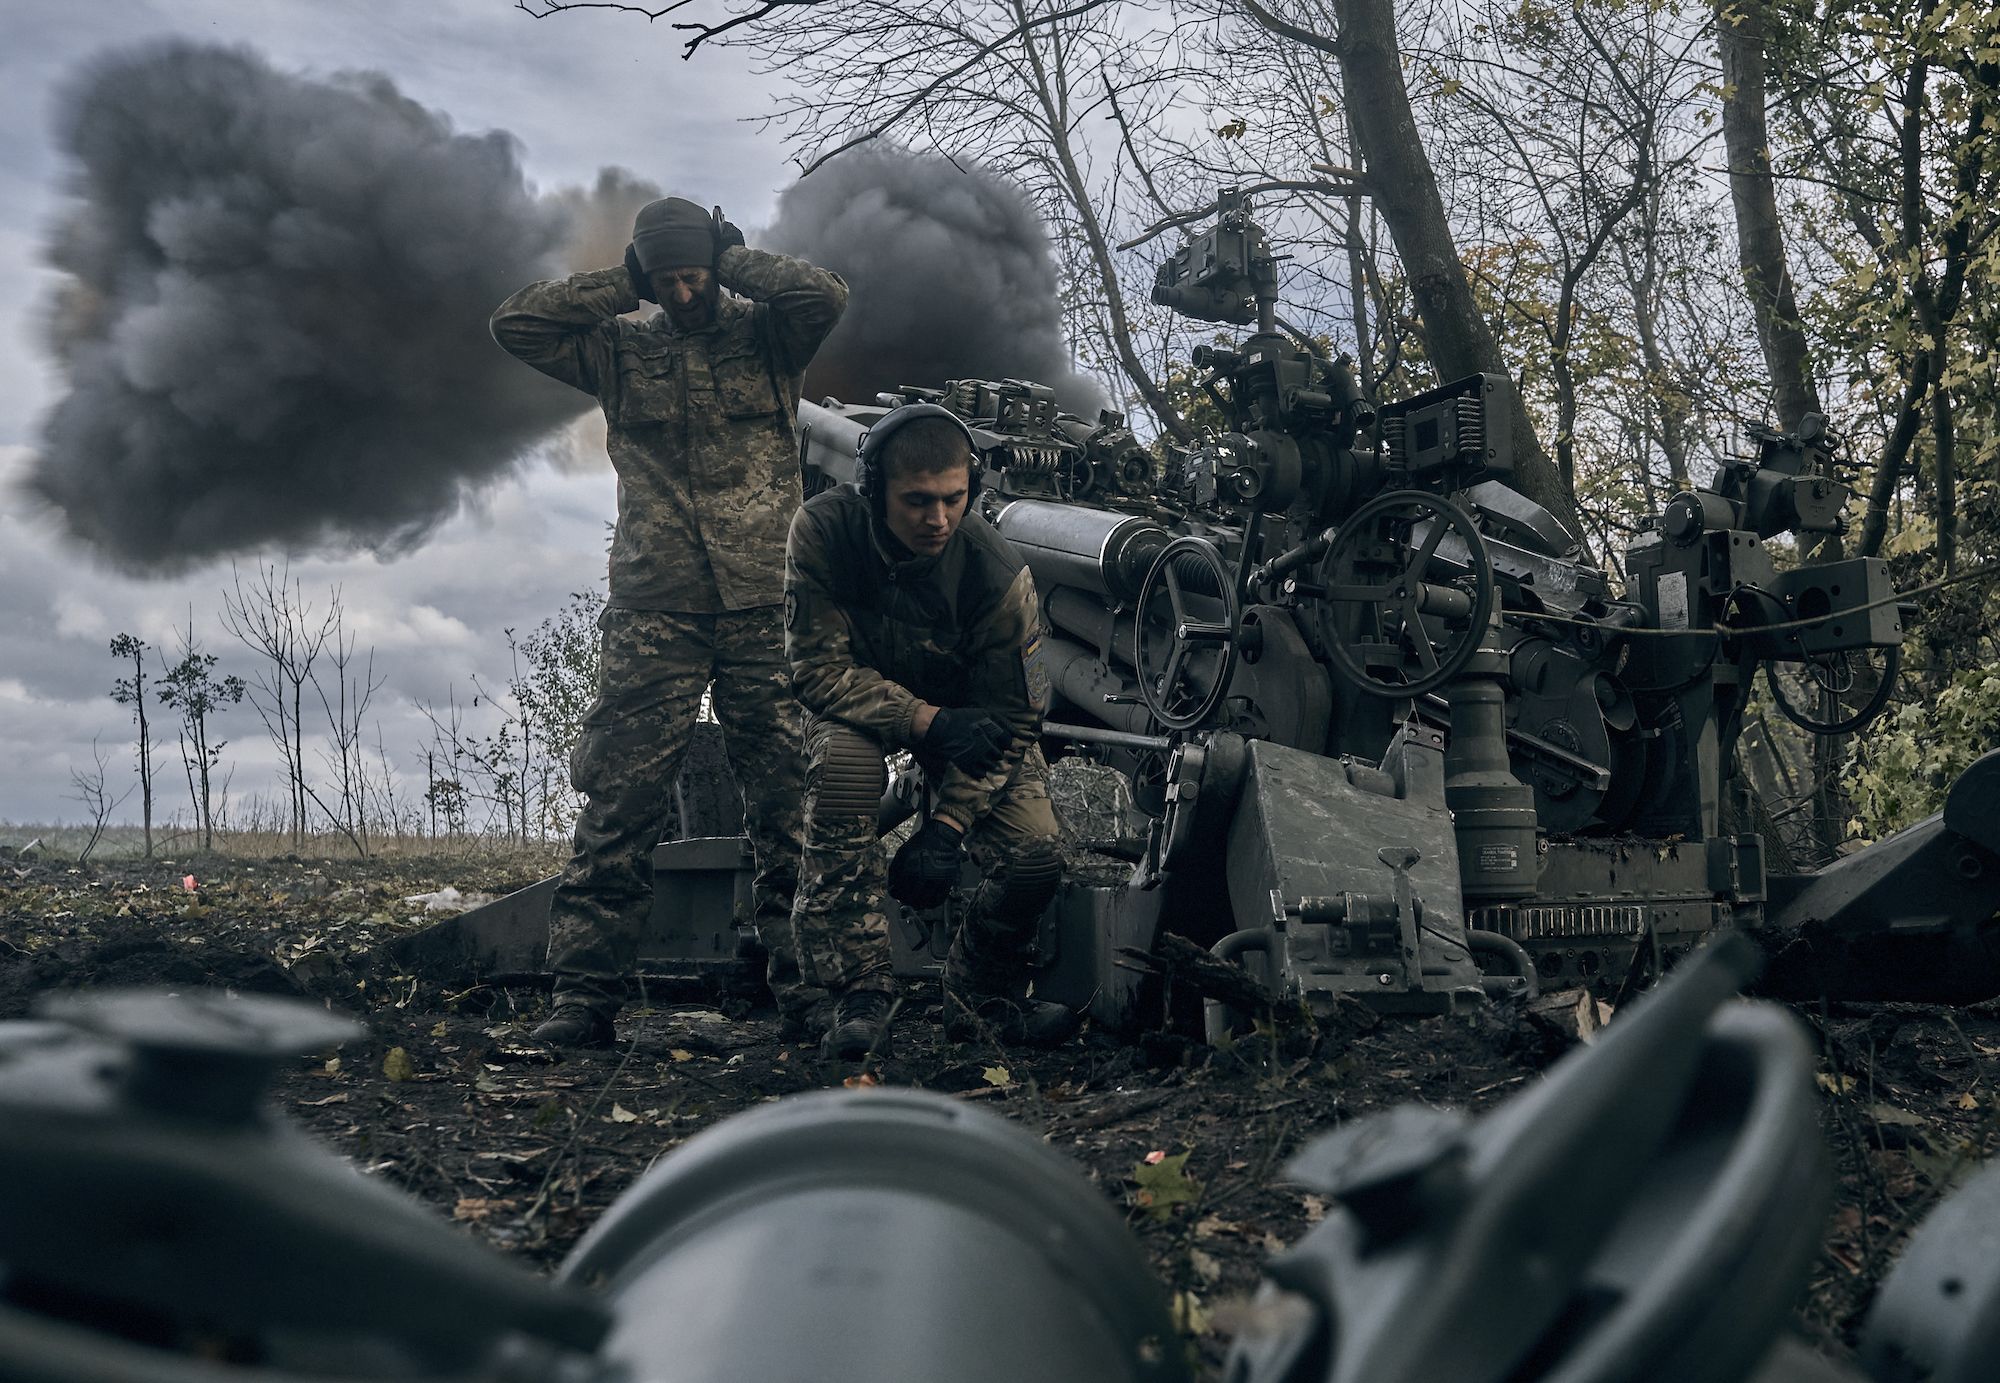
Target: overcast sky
(578, 92)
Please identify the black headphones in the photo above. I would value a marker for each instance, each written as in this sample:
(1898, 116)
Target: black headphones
(867, 453)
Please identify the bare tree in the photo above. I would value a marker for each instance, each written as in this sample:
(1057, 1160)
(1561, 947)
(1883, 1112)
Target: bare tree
(131, 691)
(346, 710)
(273, 619)
(97, 799)
(1565, 126)
(1016, 85)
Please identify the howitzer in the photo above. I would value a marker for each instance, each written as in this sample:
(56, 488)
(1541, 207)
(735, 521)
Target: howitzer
(1650, 1210)
(1394, 735)
(1397, 736)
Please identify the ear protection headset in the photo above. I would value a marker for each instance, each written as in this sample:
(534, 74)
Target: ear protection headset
(868, 463)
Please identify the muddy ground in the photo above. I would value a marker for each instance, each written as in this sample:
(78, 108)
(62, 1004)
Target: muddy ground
(447, 1100)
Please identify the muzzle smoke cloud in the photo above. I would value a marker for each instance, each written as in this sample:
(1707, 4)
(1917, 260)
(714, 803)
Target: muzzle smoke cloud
(950, 273)
(274, 325)
(273, 320)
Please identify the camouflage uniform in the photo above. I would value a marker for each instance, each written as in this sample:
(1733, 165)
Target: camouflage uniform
(872, 633)
(700, 432)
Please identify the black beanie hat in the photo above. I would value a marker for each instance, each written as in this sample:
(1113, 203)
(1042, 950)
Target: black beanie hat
(673, 233)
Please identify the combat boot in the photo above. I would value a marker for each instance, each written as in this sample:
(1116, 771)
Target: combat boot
(972, 1017)
(983, 987)
(857, 1024)
(576, 1025)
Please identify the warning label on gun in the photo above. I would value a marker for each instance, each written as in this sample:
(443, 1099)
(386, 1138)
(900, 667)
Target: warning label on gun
(1673, 592)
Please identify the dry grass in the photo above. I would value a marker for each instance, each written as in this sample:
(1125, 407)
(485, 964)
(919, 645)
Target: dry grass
(62, 841)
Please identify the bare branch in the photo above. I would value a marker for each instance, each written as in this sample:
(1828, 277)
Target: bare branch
(984, 51)
(1182, 218)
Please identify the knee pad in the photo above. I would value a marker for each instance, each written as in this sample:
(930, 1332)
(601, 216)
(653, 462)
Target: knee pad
(1033, 870)
(849, 774)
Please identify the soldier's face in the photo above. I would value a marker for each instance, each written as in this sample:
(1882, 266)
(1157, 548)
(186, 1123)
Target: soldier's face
(925, 507)
(687, 294)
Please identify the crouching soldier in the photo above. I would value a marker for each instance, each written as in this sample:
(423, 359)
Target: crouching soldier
(911, 624)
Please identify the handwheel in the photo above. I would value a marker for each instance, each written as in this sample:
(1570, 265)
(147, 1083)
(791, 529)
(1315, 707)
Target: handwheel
(1185, 661)
(1375, 564)
(1834, 693)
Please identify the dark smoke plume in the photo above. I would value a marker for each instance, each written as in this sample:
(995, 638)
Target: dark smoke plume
(274, 326)
(950, 274)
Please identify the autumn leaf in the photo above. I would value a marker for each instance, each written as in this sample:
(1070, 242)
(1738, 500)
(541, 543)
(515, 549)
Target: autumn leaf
(397, 1066)
(1235, 129)
(998, 1076)
(1163, 1185)
(621, 1115)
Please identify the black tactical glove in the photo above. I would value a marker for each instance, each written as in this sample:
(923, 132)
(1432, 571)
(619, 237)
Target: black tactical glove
(726, 234)
(924, 870)
(642, 286)
(971, 738)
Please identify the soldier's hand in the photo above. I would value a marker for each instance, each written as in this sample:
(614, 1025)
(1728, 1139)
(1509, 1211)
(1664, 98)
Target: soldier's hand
(971, 738)
(642, 286)
(726, 233)
(926, 867)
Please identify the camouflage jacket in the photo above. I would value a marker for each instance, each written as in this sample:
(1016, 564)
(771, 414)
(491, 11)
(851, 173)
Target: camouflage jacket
(871, 633)
(699, 424)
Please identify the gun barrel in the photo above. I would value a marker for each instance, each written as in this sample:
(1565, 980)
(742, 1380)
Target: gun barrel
(1096, 550)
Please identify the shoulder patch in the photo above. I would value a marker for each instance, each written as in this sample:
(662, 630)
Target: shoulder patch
(1034, 668)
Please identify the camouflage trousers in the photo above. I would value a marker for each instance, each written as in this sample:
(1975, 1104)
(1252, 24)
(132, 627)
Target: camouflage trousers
(841, 917)
(653, 667)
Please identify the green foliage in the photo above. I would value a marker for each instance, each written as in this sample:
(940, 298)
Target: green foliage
(191, 688)
(518, 771)
(1903, 766)
(556, 677)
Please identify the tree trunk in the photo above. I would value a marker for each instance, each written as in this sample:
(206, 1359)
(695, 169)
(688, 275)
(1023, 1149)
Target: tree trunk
(145, 749)
(1741, 28)
(1942, 435)
(1889, 470)
(1357, 285)
(1400, 179)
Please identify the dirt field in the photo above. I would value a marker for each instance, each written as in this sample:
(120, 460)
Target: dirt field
(447, 1100)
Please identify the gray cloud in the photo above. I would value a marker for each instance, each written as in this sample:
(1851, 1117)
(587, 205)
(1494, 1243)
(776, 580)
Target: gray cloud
(950, 271)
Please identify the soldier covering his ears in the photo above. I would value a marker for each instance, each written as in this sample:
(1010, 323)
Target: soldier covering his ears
(699, 401)
(910, 623)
